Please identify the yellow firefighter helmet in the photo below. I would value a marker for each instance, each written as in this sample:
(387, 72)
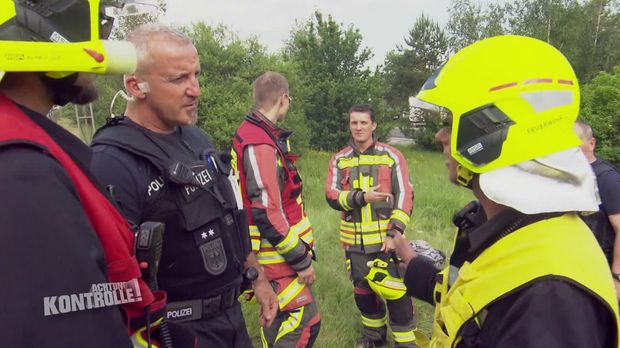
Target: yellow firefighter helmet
(62, 37)
(508, 99)
(383, 283)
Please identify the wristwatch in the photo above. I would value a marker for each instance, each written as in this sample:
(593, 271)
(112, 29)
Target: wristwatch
(390, 233)
(251, 274)
(616, 276)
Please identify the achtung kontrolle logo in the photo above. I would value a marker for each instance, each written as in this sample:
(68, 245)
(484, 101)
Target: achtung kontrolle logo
(100, 295)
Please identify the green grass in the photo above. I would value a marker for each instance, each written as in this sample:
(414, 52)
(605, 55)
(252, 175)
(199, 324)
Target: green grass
(435, 202)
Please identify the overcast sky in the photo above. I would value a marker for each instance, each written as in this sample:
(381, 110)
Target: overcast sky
(383, 23)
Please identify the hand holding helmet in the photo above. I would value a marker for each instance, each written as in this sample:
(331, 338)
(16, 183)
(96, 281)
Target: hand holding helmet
(383, 283)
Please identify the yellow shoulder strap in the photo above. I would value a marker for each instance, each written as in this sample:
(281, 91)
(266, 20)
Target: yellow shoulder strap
(544, 248)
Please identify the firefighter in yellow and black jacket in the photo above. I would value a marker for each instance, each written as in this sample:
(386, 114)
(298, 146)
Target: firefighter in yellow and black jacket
(369, 182)
(525, 270)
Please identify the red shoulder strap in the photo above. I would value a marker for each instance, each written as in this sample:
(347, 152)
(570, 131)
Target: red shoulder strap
(252, 134)
(112, 229)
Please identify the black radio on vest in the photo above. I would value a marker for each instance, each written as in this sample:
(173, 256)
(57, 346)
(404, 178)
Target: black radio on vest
(206, 240)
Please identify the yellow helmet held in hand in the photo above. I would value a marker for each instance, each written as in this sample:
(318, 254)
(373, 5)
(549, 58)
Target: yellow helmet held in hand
(384, 284)
(62, 37)
(508, 99)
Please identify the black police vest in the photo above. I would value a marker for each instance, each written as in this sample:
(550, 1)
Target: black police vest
(599, 221)
(206, 239)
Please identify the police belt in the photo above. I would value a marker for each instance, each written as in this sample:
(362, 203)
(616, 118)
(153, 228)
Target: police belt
(181, 311)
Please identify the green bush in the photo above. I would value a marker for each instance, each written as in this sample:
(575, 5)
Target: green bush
(609, 153)
(600, 108)
(330, 62)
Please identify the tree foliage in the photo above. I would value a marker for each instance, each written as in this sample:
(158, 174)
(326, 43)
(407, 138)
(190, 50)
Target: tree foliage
(229, 66)
(124, 25)
(326, 65)
(600, 108)
(330, 62)
(600, 43)
(587, 32)
(406, 68)
(426, 49)
(465, 25)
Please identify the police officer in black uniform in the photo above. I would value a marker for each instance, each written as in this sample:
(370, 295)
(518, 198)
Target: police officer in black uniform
(162, 168)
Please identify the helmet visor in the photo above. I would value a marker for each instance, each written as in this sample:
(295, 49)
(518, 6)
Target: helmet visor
(477, 136)
(426, 114)
(481, 134)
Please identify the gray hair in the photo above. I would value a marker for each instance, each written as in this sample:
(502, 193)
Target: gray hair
(145, 35)
(585, 128)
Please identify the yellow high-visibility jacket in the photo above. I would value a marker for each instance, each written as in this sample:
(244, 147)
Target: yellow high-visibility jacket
(363, 225)
(561, 247)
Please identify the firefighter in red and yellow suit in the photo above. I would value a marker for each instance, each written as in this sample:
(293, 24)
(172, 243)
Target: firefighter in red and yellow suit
(280, 231)
(369, 182)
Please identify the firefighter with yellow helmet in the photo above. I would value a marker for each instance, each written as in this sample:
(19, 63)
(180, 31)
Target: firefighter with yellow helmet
(529, 272)
(68, 255)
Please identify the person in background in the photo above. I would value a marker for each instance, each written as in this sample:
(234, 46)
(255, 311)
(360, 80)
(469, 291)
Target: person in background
(368, 181)
(280, 229)
(606, 222)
